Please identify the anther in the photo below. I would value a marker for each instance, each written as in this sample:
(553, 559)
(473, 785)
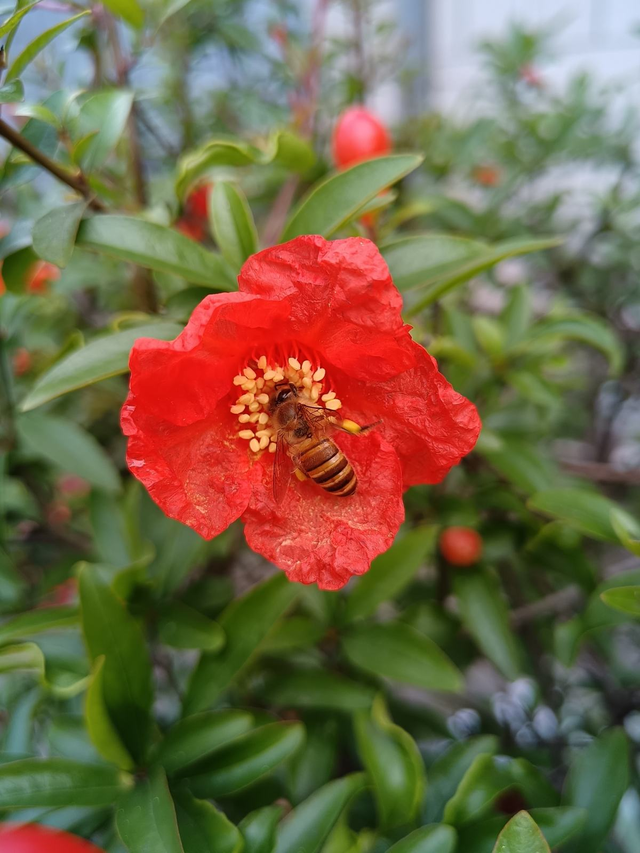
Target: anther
(244, 419)
(269, 374)
(253, 418)
(306, 366)
(293, 362)
(245, 399)
(246, 433)
(262, 362)
(319, 375)
(253, 407)
(263, 418)
(238, 380)
(273, 448)
(254, 444)
(329, 396)
(250, 373)
(235, 410)
(333, 405)
(264, 442)
(262, 398)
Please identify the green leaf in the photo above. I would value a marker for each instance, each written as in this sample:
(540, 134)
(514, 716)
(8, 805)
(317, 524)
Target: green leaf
(516, 316)
(446, 773)
(394, 764)
(397, 651)
(283, 146)
(12, 92)
(246, 622)
(420, 259)
(38, 44)
(232, 223)
(438, 838)
(101, 121)
(626, 531)
(101, 358)
(35, 621)
(17, 268)
(110, 630)
(320, 689)
(390, 573)
(624, 598)
(59, 782)
(203, 829)
(479, 787)
(583, 328)
(485, 615)
(460, 272)
(246, 759)
(146, 817)
(109, 530)
(556, 824)
(196, 738)
(520, 462)
(521, 835)
(38, 111)
(338, 198)
(185, 628)
(293, 633)
(308, 826)
(99, 726)
(596, 782)
(588, 512)
(11, 23)
(69, 447)
(129, 10)
(54, 234)
(314, 764)
(157, 247)
(259, 829)
(28, 657)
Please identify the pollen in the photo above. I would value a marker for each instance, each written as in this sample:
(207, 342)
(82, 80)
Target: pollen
(255, 387)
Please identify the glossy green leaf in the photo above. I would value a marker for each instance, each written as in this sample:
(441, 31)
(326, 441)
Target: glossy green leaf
(583, 328)
(479, 787)
(624, 598)
(460, 272)
(12, 92)
(338, 198)
(394, 764)
(293, 633)
(397, 651)
(446, 773)
(129, 10)
(128, 238)
(259, 828)
(99, 359)
(204, 829)
(420, 259)
(320, 689)
(38, 111)
(246, 759)
(111, 631)
(195, 738)
(69, 447)
(35, 621)
(54, 234)
(17, 269)
(314, 764)
(484, 613)
(28, 657)
(390, 573)
(38, 44)
(556, 824)
(517, 314)
(232, 223)
(308, 826)
(521, 463)
(12, 22)
(59, 782)
(626, 530)
(588, 512)
(101, 121)
(438, 838)
(597, 780)
(185, 628)
(146, 817)
(521, 835)
(246, 622)
(99, 725)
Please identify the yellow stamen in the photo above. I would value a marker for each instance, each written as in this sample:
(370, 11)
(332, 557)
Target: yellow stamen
(235, 410)
(245, 399)
(293, 362)
(351, 426)
(330, 396)
(244, 419)
(250, 373)
(333, 405)
(254, 445)
(262, 362)
(272, 448)
(300, 474)
(246, 433)
(319, 375)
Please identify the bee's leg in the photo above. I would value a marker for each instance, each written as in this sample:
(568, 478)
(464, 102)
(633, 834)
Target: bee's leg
(300, 474)
(352, 427)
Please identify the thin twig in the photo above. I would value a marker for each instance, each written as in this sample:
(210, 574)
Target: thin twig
(565, 601)
(601, 472)
(77, 181)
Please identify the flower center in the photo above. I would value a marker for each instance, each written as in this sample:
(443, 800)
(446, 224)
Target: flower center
(257, 383)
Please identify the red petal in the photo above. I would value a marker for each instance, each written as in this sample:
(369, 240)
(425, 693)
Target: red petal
(430, 426)
(318, 538)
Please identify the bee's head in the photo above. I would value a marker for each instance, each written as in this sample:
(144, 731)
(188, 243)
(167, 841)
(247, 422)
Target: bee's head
(285, 393)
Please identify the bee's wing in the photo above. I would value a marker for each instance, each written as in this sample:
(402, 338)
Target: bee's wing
(281, 470)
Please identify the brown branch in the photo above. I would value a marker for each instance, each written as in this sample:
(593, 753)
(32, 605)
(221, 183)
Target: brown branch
(77, 181)
(565, 601)
(601, 472)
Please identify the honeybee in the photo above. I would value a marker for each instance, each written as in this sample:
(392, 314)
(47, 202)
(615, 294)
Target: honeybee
(302, 438)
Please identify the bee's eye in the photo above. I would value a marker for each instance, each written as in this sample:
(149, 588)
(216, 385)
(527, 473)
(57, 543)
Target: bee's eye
(283, 395)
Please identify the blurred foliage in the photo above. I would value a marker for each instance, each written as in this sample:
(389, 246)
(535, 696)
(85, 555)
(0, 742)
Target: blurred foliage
(159, 692)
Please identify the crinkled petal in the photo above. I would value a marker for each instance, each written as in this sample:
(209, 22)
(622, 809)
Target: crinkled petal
(197, 474)
(318, 538)
(429, 424)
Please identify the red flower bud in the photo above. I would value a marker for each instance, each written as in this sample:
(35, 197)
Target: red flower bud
(70, 485)
(33, 838)
(21, 361)
(40, 277)
(324, 318)
(460, 546)
(486, 176)
(191, 229)
(359, 135)
(197, 204)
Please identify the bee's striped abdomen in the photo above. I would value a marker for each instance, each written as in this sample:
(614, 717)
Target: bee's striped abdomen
(327, 466)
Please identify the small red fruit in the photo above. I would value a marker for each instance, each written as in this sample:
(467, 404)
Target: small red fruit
(486, 176)
(71, 486)
(191, 229)
(21, 361)
(33, 838)
(460, 546)
(358, 135)
(41, 275)
(197, 204)
(58, 514)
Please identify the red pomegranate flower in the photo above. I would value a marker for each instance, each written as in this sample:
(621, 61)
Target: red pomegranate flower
(326, 317)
